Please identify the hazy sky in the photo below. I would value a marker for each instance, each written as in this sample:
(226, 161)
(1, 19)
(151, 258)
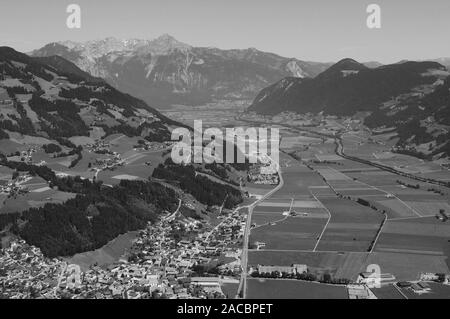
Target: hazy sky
(317, 30)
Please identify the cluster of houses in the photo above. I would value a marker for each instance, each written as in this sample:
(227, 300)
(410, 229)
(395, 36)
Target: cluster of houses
(159, 266)
(99, 147)
(175, 257)
(108, 163)
(153, 146)
(26, 273)
(263, 174)
(24, 156)
(14, 186)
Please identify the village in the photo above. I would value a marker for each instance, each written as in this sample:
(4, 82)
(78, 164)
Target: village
(173, 258)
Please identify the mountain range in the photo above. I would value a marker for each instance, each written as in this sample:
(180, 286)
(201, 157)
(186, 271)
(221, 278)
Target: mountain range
(412, 98)
(165, 71)
(346, 87)
(67, 89)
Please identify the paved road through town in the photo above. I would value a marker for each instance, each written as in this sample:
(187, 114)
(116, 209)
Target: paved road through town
(244, 259)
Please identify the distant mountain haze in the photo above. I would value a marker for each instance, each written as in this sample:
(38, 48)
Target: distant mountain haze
(165, 71)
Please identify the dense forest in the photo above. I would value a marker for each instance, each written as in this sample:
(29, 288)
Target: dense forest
(202, 188)
(95, 216)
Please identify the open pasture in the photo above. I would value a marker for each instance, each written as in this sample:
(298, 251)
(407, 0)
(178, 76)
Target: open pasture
(374, 177)
(9, 147)
(331, 174)
(344, 210)
(400, 190)
(338, 264)
(347, 184)
(5, 173)
(321, 191)
(273, 206)
(137, 168)
(259, 218)
(360, 192)
(329, 157)
(406, 266)
(290, 233)
(343, 165)
(289, 142)
(352, 227)
(274, 202)
(298, 183)
(394, 208)
(108, 254)
(258, 191)
(310, 213)
(429, 208)
(443, 175)
(34, 199)
(300, 204)
(293, 289)
(387, 292)
(427, 236)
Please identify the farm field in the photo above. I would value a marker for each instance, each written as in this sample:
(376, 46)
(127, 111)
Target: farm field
(394, 207)
(255, 190)
(34, 199)
(321, 191)
(400, 190)
(387, 292)
(443, 175)
(109, 253)
(408, 266)
(263, 218)
(5, 173)
(272, 205)
(338, 264)
(344, 165)
(412, 241)
(404, 266)
(291, 233)
(220, 113)
(352, 227)
(360, 192)
(331, 174)
(137, 168)
(298, 183)
(290, 142)
(429, 208)
(293, 289)
(427, 236)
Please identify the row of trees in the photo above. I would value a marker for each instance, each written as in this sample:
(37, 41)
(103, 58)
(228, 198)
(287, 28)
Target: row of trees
(307, 276)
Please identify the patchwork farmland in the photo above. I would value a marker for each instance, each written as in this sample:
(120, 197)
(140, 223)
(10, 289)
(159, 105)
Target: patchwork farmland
(338, 217)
